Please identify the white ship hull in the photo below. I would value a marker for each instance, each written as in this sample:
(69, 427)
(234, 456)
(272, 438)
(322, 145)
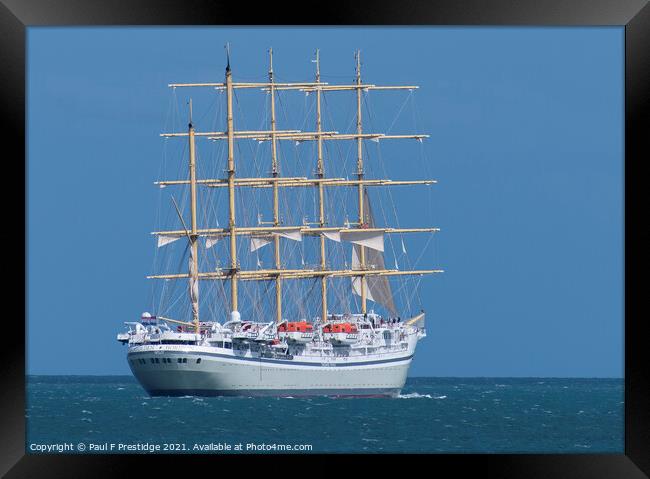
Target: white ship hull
(174, 370)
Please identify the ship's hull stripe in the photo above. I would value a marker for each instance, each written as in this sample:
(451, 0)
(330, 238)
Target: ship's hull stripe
(277, 361)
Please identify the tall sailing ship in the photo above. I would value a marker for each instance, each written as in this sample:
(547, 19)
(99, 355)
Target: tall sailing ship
(301, 303)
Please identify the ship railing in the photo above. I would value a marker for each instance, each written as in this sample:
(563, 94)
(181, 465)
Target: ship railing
(331, 353)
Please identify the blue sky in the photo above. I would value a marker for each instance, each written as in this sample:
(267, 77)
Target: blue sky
(526, 130)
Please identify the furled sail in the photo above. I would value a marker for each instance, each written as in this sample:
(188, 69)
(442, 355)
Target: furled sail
(194, 286)
(378, 287)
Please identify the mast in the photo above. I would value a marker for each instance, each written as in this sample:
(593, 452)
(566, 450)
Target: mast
(194, 257)
(362, 249)
(320, 171)
(231, 188)
(276, 206)
(367, 239)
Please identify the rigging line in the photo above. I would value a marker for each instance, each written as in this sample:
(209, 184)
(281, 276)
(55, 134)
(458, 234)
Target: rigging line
(381, 205)
(165, 263)
(352, 120)
(239, 198)
(298, 206)
(382, 163)
(211, 308)
(211, 103)
(257, 156)
(325, 76)
(220, 291)
(423, 160)
(311, 289)
(340, 295)
(169, 307)
(406, 99)
(152, 289)
(253, 164)
(422, 156)
(338, 196)
(175, 118)
(257, 305)
(158, 218)
(417, 288)
(211, 199)
(402, 287)
(387, 222)
(252, 79)
(182, 260)
(241, 119)
(424, 250)
(205, 170)
(205, 203)
(303, 195)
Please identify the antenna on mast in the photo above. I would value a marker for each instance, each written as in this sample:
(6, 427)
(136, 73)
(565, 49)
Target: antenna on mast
(190, 103)
(271, 63)
(357, 57)
(317, 61)
(227, 47)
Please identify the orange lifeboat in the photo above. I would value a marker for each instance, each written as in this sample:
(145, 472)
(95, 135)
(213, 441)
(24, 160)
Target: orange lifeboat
(341, 333)
(296, 331)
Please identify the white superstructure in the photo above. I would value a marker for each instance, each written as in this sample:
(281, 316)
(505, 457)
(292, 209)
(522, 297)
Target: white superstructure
(258, 351)
(242, 358)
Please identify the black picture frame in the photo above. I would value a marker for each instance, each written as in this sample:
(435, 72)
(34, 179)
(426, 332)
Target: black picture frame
(634, 15)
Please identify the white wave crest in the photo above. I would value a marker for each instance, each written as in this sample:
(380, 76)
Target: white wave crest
(418, 396)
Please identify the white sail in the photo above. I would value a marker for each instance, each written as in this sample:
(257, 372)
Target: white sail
(259, 242)
(369, 239)
(377, 287)
(166, 239)
(210, 241)
(356, 281)
(293, 235)
(332, 235)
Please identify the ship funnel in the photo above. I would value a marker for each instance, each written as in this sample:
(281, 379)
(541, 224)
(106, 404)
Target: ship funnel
(235, 316)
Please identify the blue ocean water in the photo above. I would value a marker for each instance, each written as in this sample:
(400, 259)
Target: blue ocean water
(432, 415)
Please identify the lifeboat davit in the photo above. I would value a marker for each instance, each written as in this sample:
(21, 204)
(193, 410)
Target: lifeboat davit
(296, 331)
(247, 331)
(341, 333)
